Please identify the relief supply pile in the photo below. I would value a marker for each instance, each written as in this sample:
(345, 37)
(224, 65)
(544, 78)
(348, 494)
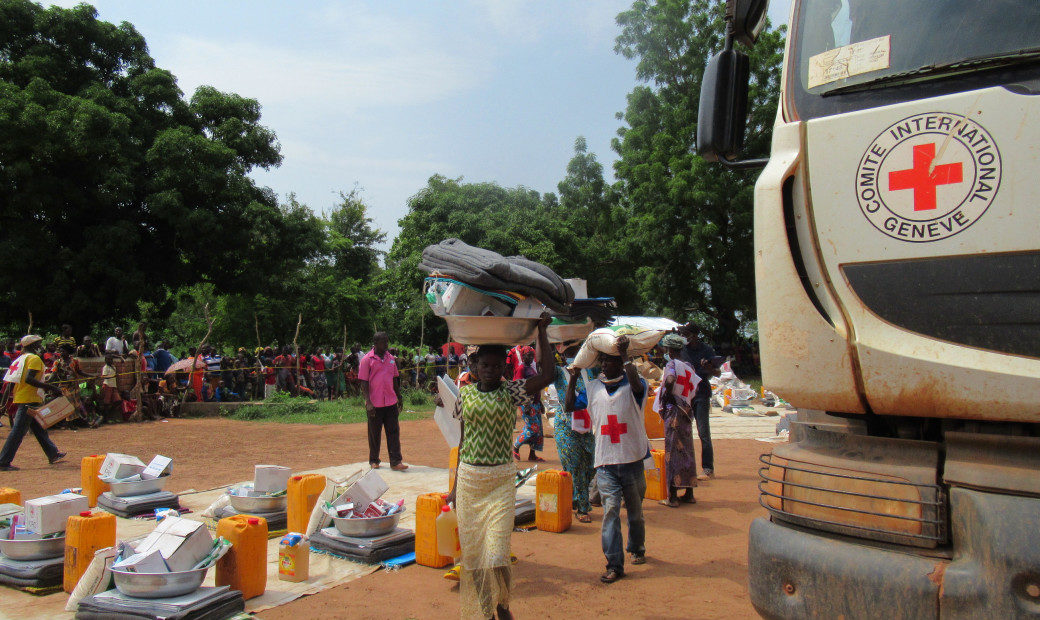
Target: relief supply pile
(359, 525)
(729, 392)
(135, 488)
(265, 497)
(157, 576)
(32, 540)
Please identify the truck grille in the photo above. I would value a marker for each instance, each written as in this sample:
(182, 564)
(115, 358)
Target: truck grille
(854, 503)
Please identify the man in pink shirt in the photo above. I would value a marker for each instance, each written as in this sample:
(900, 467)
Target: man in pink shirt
(381, 385)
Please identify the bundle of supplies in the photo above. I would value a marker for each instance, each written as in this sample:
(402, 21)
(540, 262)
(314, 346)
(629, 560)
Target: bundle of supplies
(32, 540)
(604, 340)
(489, 271)
(135, 488)
(175, 545)
(365, 526)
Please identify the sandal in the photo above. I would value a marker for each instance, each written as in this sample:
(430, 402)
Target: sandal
(671, 503)
(583, 517)
(535, 459)
(516, 454)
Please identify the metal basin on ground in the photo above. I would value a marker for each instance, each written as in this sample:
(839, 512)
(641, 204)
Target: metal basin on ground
(368, 527)
(139, 487)
(504, 330)
(158, 585)
(24, 550)
(250, 501)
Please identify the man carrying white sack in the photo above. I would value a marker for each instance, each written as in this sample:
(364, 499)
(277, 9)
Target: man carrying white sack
(615, 405)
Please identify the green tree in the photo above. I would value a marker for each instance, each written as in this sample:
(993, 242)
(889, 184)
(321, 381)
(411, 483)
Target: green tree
(114, 188)
(689, 221)
(594, 218)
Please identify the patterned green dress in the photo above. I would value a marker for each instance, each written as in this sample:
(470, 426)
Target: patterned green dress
(490, 418)
(485, 495)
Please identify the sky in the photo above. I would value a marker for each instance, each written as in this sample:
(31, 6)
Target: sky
(384, 95)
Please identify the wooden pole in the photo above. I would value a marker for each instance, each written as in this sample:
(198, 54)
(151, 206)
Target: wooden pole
(29, 331)
(256, 323)
(296, 347)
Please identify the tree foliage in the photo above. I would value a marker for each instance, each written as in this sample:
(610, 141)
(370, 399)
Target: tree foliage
(114, 188)
(690, 221)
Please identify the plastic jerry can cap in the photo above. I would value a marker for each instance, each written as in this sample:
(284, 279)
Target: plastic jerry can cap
(254, 521)
(86, 513)
(445, 508)
(297, 478)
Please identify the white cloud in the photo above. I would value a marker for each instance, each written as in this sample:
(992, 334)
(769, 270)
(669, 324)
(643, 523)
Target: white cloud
(323, 79)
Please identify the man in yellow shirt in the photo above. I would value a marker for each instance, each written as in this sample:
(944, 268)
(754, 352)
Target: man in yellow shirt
(27, 393)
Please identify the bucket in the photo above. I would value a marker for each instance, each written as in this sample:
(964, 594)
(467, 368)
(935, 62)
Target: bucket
(427, 509)
(656, 483)
(89, 468)
(302, 495)
(244, 566)
(85, 534)
(554, 493)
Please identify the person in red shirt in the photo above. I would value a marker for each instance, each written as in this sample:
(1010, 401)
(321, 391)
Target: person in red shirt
(284, 366)
(321, 387)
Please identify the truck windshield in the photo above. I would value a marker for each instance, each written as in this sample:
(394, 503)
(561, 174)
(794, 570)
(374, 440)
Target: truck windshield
(854, 54)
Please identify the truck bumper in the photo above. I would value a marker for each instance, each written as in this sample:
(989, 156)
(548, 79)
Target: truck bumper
(793, 574)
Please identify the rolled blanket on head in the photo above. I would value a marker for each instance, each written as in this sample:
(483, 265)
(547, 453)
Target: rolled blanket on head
(490, 270)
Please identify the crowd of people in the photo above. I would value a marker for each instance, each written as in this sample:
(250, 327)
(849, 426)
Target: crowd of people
(599, 429)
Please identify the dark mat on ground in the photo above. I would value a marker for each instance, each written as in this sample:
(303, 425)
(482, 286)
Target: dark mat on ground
(275, 520)
(365, 550)
(32, 573)
(216, 606)
(127, 507)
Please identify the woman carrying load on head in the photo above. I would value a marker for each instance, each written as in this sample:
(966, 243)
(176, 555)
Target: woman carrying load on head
(483, 492)
(678, 385)
(577, 449)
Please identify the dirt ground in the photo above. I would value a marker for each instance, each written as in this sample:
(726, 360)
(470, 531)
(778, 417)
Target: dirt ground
(696, 555)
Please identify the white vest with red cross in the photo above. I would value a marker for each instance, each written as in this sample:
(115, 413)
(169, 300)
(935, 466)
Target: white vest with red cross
(617, 422)
(686, 381)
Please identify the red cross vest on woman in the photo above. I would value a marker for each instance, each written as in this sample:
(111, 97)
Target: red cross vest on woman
(617, 422)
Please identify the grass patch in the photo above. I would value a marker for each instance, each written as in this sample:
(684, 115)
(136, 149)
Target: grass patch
(283, 408)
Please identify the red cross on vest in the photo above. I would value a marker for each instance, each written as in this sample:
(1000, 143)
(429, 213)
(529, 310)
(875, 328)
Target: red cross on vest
(684, 381)
(614, 429)
(919, 179)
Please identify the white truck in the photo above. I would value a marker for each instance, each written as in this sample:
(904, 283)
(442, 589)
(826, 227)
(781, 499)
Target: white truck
(897, 252)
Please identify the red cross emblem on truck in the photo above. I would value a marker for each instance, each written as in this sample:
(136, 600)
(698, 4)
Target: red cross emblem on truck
(613, 429)
(921, 180)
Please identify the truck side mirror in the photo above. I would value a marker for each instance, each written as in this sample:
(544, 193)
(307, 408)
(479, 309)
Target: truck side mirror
(722, 114)
(746, 19)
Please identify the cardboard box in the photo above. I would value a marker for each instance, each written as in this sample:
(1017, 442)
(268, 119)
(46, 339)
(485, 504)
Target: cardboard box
(270, 478)
(53, 412)
(47, 515)
(119, 466)
(528, 308)
(463, 301)
(151, 562)
(362, 493)
(160, 466)
(181, 542)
